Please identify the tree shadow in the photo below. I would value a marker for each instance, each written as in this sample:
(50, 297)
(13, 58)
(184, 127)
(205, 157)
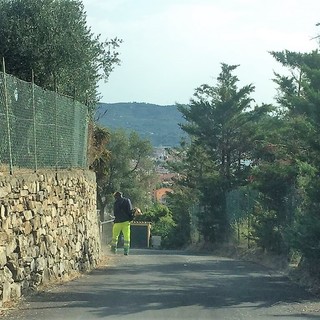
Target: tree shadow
(200, 281)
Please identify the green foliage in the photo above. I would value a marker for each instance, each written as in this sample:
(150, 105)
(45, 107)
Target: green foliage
(182, 203)
(217, 121)
(200, 184)
(304, 233)
(299, 95)
(162, 224)
(126, 166)
(279, 155)
(276, 151)
(51, 38)
(215, 117)
(304, 236)
(267, 232)
(213, 220)
(165, 228)
(299, 92)
(274, 181)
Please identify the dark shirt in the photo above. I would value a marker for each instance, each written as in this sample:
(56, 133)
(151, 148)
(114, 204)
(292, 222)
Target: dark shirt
(121, 209)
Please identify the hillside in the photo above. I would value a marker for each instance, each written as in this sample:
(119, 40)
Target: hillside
(157, 123)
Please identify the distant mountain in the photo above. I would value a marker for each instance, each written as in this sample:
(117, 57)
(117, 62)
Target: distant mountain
(157, 123)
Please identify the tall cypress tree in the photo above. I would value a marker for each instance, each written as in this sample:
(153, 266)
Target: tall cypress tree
(215, 118)
(299, 93)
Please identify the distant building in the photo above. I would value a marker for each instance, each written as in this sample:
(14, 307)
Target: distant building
(166, 178)
(160, 194)
(160, 153)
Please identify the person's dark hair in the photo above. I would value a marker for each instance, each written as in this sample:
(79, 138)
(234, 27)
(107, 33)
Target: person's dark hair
(117, 194)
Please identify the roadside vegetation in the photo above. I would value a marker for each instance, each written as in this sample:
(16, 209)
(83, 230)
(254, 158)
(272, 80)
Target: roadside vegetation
(49, 41)
(257, 183)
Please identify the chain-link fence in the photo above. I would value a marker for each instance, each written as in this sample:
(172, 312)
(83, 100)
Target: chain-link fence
(240, 208)
(40, 128)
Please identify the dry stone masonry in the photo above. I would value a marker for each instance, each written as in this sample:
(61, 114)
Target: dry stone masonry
(49, 229)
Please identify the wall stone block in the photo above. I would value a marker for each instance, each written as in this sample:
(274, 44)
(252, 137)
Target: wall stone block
(3, 257)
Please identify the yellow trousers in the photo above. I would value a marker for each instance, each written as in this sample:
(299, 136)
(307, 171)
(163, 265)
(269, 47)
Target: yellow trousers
(116, 230)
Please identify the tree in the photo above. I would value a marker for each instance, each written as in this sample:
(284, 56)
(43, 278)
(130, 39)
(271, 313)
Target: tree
(51, 38)
(215, 119)
(183, 205)
(125, 165)
(300, 96)
(162, 224)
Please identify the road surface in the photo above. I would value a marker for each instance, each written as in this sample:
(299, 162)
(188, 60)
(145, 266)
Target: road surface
(151, 284)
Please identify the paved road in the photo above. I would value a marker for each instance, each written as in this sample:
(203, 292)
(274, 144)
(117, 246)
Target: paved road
(151, 284)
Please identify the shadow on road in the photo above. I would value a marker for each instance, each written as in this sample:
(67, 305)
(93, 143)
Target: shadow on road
(152, 281)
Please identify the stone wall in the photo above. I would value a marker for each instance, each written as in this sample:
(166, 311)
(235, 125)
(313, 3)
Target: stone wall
(49, 229)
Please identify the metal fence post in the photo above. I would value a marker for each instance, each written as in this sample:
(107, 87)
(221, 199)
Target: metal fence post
(6, 102)
(85, 162)
(34, 125)
(56, 122)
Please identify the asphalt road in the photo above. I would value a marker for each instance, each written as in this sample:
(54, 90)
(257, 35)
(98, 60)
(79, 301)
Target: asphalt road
(150, 284)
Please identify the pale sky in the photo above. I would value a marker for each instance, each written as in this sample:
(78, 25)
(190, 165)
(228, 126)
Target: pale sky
(171, 47)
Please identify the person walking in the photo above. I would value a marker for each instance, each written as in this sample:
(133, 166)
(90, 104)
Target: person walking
(122, 211)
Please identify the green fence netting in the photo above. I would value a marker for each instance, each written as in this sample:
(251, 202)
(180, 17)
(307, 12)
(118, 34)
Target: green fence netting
(40, 128)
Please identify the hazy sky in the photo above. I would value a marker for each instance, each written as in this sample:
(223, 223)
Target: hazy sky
(170, 47)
